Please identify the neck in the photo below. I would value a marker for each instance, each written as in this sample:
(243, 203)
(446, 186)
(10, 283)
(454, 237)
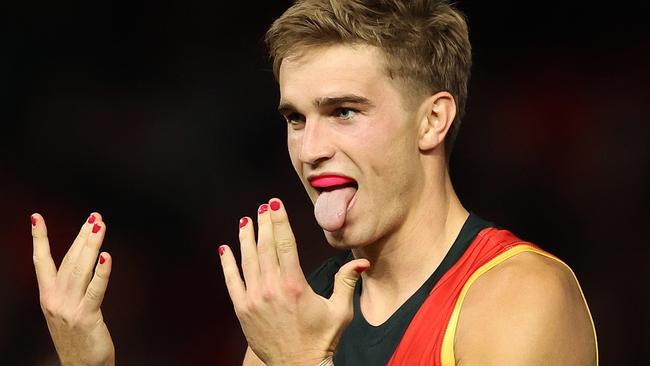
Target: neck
(402, 261)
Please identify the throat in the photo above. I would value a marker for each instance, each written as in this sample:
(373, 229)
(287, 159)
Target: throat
(401, 268)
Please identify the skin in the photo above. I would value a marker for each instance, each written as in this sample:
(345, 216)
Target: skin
(276, 306)
(526, 311)
(404, 220)
(396, 156)
(407, 215)
(72, 295)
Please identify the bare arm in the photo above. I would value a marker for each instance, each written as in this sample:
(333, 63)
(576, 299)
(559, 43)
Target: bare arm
(526, 311)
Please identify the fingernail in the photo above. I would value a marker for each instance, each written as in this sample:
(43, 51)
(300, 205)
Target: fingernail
(242, 222)
(360, 269)
(33, 220)
(263, 208)
(96, 228)
(91, 219)
(275, 205)
(101, 259)
(222, 249)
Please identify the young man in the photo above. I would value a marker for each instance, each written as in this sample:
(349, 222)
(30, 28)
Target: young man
(372, 92)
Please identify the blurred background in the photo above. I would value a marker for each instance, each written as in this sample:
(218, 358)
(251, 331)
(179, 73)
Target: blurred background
(162, 116)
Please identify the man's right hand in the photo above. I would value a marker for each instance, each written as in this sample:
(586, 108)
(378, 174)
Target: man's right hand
(72, 296)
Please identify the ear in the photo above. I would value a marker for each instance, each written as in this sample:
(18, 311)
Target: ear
(437, 114)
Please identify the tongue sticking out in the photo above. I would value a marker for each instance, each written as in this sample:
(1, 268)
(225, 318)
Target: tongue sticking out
(332, 206)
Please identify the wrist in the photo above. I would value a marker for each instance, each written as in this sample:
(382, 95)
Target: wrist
(327, 362)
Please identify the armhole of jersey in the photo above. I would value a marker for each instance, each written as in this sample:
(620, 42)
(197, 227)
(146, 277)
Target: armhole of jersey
(447, 353)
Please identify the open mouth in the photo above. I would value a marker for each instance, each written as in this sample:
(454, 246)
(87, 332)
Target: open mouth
(336, 196)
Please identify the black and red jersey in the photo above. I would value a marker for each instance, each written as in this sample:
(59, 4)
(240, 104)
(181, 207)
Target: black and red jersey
(421, 332)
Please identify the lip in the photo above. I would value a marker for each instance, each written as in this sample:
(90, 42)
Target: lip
(326, 180)
(329, 179)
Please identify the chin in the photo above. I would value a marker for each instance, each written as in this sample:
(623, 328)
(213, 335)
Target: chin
(345, 239)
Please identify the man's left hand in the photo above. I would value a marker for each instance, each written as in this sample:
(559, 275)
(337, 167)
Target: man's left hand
(285, 322)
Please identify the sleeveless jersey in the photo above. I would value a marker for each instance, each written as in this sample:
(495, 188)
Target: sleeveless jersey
(422, 331)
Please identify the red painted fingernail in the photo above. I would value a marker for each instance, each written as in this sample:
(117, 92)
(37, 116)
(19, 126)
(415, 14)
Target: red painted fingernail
(101, 259)
(33, 220)
(96, 228)
(275, 205)
(222, 249)
(91, 219)
(263, 208)
(360, 269)
(242, 222)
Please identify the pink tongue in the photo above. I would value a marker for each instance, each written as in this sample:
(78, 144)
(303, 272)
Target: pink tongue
(331, 207)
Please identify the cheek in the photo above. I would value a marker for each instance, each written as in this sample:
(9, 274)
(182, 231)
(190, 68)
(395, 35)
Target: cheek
(293, 146)
(389, 149)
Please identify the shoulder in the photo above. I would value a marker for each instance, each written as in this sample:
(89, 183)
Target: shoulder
(528, 310)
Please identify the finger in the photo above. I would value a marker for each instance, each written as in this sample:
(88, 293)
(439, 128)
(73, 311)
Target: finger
(249, 261)
(269, 266)
(234, 283)
(43, 262)
(285, 242)
(82, 269)
(94, 295)
(70, 258)
(345, 281)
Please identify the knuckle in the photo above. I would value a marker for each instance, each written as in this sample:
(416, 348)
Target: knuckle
(93, 243)
(284, 245)
(49, 309)
(347, 281)
(240, 311)
(249, 307)
(293, 288)
(278, 224)
(67, 318)
(83, 234)
(350, 282)
(247, 262)
(268, 294)
(101, 275)
(93, 293)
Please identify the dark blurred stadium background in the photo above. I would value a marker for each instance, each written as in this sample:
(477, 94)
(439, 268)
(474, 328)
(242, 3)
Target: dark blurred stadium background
(161, 116)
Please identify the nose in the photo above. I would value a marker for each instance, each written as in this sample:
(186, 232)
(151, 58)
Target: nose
(317, 145)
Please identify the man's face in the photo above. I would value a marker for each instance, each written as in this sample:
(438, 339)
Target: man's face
(348, 128)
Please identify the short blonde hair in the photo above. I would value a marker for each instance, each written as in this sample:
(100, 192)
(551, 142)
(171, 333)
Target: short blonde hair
(426, 42)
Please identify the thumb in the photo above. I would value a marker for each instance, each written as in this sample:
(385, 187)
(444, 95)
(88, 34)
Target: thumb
(346, 280)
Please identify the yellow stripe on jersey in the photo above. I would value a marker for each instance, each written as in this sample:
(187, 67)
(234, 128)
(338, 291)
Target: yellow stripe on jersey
(447, 353)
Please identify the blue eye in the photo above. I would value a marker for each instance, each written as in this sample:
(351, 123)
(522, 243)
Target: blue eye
(346, 113)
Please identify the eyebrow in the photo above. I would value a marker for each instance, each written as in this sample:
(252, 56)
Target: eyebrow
(286, 107)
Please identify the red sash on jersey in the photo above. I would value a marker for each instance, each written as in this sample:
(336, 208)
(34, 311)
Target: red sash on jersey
(422, 341)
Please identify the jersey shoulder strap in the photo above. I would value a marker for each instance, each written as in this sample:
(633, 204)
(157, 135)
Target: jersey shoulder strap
(429, 340)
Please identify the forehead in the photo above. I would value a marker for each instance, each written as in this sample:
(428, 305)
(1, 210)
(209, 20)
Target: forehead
(333, 70)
